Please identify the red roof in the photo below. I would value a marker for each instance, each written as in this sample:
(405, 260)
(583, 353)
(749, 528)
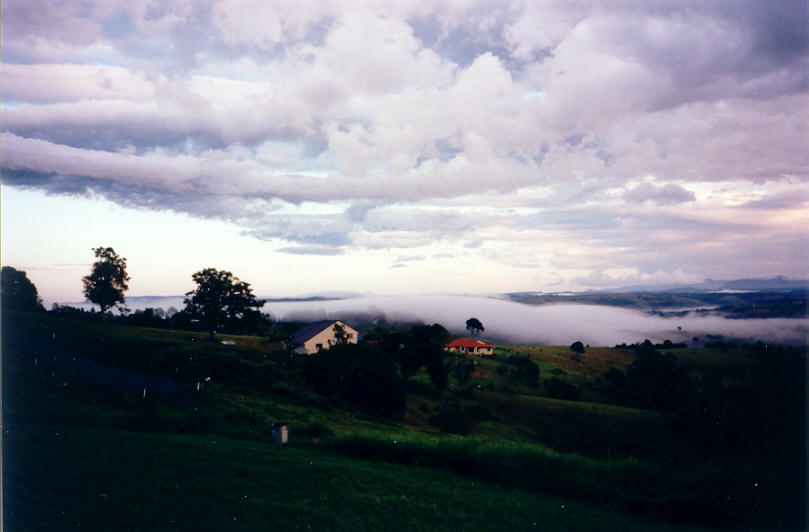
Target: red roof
(467, 342)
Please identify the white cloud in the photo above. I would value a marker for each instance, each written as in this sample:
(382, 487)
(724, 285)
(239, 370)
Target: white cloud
(344, 128)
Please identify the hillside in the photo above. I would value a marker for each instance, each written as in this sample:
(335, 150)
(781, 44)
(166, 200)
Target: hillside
(499, 448)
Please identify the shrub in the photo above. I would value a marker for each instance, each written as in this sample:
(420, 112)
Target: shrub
(525, 370)
(365, 378)
(559, 389)
(577, 347)
(316, 429)
(454, 419)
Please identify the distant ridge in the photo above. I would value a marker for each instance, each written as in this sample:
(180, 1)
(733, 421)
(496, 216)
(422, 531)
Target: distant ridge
(777, 283)
(774, 284)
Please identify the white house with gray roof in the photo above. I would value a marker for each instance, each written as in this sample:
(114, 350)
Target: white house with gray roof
(321, 335)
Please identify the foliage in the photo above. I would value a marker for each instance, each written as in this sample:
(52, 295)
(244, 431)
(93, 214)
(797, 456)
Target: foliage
(474, 326)
(107, 281)
(577, 347)
(148, 317)
(222, 301)
(73, 312)
(364, 378)
(453, 418)
(559, 389)
(525, 370)
(421, 346)
(17, 291)
(340, 334)
(463, 369)
(658, 381)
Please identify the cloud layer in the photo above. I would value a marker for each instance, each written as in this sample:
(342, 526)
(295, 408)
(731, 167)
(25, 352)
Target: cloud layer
(630, 142)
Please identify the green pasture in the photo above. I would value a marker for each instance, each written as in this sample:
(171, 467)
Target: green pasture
(84, 456)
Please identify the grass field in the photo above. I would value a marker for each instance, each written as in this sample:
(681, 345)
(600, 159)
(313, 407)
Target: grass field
(79, 452)
(65, 478)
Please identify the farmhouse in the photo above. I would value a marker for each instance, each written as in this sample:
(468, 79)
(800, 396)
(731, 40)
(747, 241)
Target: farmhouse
(469, 345)
(320, 335)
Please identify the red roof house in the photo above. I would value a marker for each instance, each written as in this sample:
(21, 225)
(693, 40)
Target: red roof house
(469, 345)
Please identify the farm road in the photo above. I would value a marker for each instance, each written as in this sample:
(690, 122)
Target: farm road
(70, 367)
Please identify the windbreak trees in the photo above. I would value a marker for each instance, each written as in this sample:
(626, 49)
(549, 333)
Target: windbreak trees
(222, 300)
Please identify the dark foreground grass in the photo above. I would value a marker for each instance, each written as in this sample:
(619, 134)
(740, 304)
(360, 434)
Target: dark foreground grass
(626, 484)
(66, 478)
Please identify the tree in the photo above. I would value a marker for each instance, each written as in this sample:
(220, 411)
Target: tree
(658, 381)
(364, 378)
(106, 284)
(474, 326)
(17, 291)
(340, 334)
(421, 346)
(525, 370)
(577, 347)
(222, 299)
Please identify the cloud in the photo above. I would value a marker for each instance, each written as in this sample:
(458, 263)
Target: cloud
(782, 200)
(312, 250)
(521, 129)
(669, 194)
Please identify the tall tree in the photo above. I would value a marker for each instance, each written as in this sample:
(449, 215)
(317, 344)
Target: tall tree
(474, 326)
(421, 346)
(221, 299)
(17, 291)
(106, 284)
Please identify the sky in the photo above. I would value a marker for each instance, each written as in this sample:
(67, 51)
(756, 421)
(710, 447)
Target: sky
(405, 147)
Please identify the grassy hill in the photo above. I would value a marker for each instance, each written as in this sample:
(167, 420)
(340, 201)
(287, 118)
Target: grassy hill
(93, 452)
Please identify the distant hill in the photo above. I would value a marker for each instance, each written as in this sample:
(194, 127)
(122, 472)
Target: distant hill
(777, 283)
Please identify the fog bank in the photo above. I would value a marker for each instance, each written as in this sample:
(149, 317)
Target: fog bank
(558, 324)
(507, 321)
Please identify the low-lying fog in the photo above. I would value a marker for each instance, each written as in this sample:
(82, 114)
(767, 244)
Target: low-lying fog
(507, 321)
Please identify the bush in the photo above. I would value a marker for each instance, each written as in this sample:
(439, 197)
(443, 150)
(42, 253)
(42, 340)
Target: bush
(365, 378)
(559, 389)
(577, 347)
(454, 419)
(525, 370)
(658, 381)
(315, 429)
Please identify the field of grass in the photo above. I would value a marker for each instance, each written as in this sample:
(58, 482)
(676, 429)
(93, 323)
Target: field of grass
(77, 457)
(567, 465)
(66, 478)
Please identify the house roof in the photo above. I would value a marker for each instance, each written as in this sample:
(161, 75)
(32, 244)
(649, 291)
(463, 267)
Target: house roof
(308, 331)
(468, 342)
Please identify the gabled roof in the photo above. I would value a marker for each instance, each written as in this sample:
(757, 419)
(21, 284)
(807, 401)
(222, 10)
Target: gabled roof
(468, 342)
(308, 331)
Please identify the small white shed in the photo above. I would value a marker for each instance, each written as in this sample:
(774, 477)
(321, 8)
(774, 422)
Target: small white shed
(280, 432)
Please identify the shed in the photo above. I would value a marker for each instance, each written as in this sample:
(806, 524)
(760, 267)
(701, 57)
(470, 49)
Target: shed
(280, 432)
